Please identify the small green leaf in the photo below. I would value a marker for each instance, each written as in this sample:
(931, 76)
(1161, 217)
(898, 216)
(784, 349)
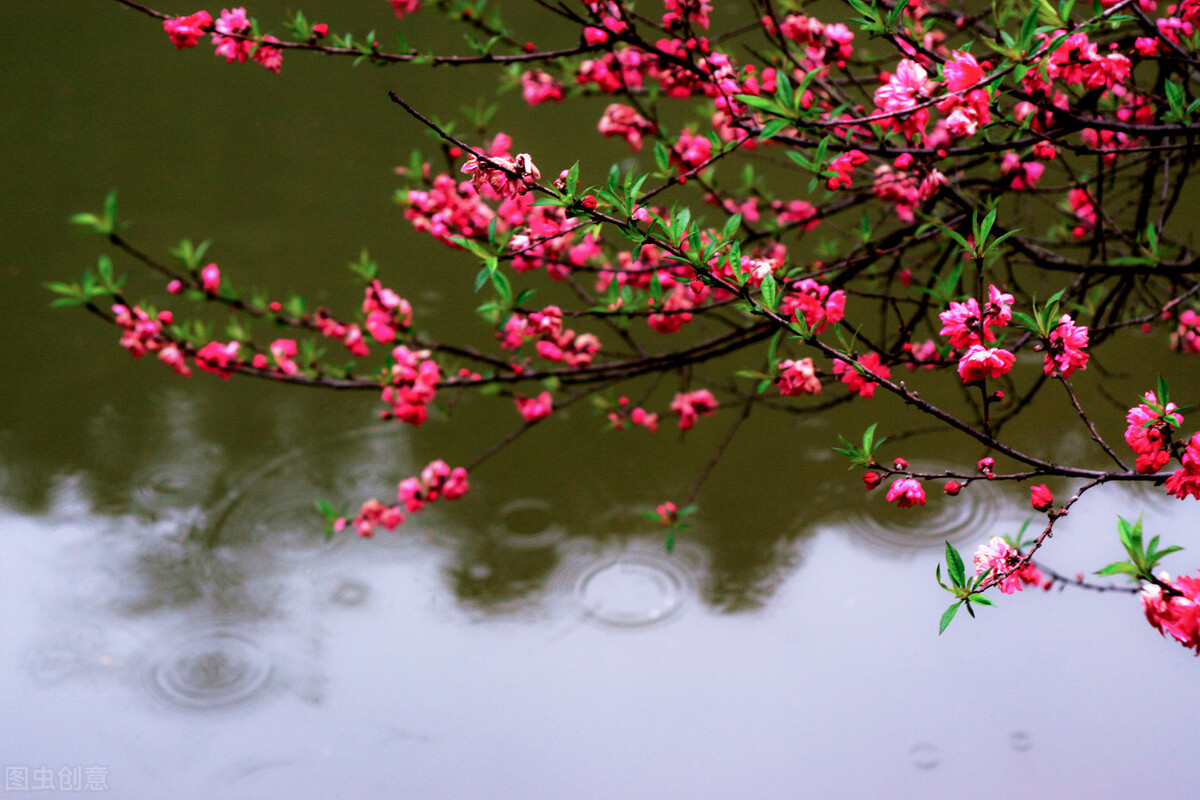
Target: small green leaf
(1120, 568)
(947, 616)
(954, 564)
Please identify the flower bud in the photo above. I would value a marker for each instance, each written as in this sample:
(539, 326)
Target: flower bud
(1041, 498)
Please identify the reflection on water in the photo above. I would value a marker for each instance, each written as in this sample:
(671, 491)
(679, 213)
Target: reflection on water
(282, 667)
(529, 522)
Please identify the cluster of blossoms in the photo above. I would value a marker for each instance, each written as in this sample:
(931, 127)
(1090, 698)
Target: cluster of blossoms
(402, 7)
(386, 312)
(902, 186)
(413, 385)
(554, 343)
(843, 166)
(690, 406)
(350, 335)
(534, 408)
(1064, 352)
(966, 108)
(1175, 614)
(667, 512)
(798, 377)
(1070, 92)
(1186, 480)
(142, 334)
(1186, 338)
(814, 304)
(1148, 434)
(686, 12)
(968, 328)
(506, 177)
(823, 43)
(1022, 175)
(1077, 61)
(436, 482)
(231, 34)
(284, 352)
(219, 359)
(639, 416)
(1000, 557)
(540, 87)
(622, 120)
(854, 377)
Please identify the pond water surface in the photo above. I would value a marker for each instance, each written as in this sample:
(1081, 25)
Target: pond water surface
(176, 625)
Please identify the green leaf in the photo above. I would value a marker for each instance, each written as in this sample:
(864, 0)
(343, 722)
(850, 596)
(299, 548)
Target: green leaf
(772, 348)
(761, 103)
(573, 179)
(1120, 568)
(947, 616)
(954, 563)
(986, 227)
(1028, 28)
(770, 293)
(772, 128)
(503, 287)
(110, 210)
(661, 156)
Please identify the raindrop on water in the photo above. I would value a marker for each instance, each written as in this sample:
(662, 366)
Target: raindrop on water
(211, 669)
(925, 755)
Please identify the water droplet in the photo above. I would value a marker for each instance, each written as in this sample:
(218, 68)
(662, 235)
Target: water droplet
(925, 755)
(1020, 741)
(349, 594)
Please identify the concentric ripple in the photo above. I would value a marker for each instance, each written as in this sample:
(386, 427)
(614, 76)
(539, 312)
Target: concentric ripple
(180, 484)
(637, 586)
(273, 509)
(213, 669)
(527, 523)
(631, 591)
(275, 512)
(973, 514)
(349, 593)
